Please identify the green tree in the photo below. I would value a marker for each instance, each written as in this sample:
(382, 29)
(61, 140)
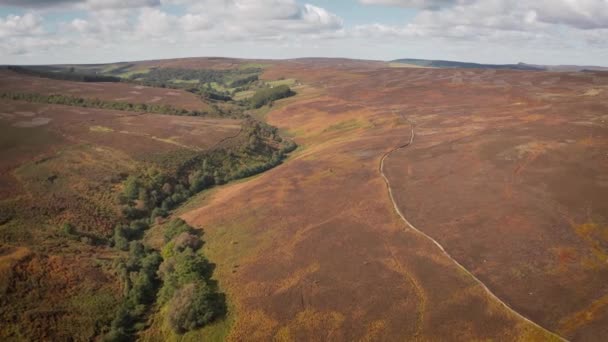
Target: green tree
(131, 190)
(193, 306)
(120, 238)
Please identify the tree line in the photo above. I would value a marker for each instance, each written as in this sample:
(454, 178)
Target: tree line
(180, 276)
(100, 104)
(266, 96)
(63, 75)
(168, 76)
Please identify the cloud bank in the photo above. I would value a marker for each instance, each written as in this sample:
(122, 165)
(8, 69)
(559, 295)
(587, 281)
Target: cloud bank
(120, 29)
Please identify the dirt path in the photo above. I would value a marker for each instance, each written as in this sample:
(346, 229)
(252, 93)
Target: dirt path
(411, 226)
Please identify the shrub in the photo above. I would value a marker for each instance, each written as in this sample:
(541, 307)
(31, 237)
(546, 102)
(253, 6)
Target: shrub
(120, 240)
(68, 229)
(193, 306)
(138, 226)
(131, 190)
(186, 240)
(176, 227)
(182, 268)
(158, 212)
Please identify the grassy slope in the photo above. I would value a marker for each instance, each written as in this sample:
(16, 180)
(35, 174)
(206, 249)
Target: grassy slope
(317, 202)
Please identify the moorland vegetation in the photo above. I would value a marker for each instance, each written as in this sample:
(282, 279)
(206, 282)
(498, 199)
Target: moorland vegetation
(175, 279)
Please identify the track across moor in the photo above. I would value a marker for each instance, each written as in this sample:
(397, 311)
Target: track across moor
(411, 226)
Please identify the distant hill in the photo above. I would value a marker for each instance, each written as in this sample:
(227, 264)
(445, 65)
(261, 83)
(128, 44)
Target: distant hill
(427, 63)
(464, 65)
(570, 67)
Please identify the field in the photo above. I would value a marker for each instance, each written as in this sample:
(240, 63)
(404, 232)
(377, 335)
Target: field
(506, 172)
(421, 204)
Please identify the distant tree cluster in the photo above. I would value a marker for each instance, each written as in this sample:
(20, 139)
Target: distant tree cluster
(100, 104)
(211, 94)
(241, 82)
(211, 84)
(266, 96)
(64, 75)
(168, 76)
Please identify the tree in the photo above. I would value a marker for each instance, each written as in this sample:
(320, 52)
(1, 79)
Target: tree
(193, 306)
(167, 189)
(186, 240)
(131, 189)
(120, 240)
(175, 228)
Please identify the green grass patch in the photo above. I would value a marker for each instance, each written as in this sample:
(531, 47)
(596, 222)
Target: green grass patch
(130, 73)
(185, 81)
(101, 129)
(344, 126)
(253, 66)
(287, 82)
(243, 95)
(218, 87)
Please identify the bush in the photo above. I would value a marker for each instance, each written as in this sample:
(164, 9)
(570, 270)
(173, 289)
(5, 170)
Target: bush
(68, 229)
(193, 306)
(186, 240)
(182, 268)
(175, 228)
(120, 239)
(131, 190)
(138, 226)
(158, 212)
(116, 334)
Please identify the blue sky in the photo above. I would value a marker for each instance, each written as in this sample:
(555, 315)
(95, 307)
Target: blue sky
(491, 31)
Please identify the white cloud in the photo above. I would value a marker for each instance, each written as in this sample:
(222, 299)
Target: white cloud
(153, 22)
(424, 4)
(38, 3)
(21, 25)
(119, 4)
(85, 4)
(119, 27)
(503, 19)
(257, 19)
(583, 14)
(195, 22)
(107, 26)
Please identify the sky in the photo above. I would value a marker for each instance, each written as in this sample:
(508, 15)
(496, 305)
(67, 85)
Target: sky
(486, 31)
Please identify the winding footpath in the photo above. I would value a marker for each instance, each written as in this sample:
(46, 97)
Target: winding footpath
(410, 225)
